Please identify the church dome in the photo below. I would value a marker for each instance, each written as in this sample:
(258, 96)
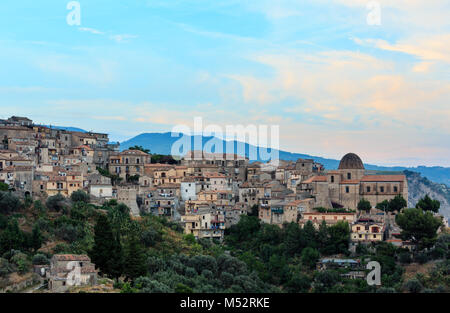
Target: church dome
(351, 161)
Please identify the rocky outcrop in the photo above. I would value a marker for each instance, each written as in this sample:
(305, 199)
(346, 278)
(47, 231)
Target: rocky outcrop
(419, 186)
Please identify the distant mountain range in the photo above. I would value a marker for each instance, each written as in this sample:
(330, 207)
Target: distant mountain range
(71, 129)
(161, 143)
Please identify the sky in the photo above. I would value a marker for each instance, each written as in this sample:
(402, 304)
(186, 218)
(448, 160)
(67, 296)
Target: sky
(338, 76)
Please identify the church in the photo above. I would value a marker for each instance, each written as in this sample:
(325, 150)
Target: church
(346, 186)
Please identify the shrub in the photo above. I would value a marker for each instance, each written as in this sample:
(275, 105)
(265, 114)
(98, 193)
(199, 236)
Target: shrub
(421, 258)
(39, 206)
(5, 267)
(67, 232)
(56, 202)
(150, 237)
(385, 290)
(8, 202)
(413, 285)
(80, 196)
(190, 272)
(404, 257)
(182, 288)
(40, 259)
(309, 257)
(201, 262)
(207, 274)
(22, 262)
(227, 279)
(146, 285)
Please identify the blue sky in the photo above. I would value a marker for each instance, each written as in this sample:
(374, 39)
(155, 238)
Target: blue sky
(332, 82)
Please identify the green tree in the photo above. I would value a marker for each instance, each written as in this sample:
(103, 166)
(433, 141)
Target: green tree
(298, 284)
(12, 237)
(418, 226)
(364, 205)
(309, 257)
(383, 205)
(36, 238)
(106, 253)
(293, 239)
(397, 203)
(135, 259)
(245, 229)
(310, 234)
(339, 237)
(79, 196)
(428, 204)
(8, 202)
(40, 259)
(56, 202)
(4, 187)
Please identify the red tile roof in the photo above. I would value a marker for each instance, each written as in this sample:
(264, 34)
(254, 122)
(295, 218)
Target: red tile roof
(315, 179)
(349, 182)
(71, 257)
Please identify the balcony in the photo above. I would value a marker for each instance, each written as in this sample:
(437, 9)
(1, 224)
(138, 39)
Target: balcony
(277, 210)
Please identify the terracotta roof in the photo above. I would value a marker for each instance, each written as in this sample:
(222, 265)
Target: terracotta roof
(315, 179)
(213, 175)
(349, 182)
(71, 257)
(84, 147)
(383, 178)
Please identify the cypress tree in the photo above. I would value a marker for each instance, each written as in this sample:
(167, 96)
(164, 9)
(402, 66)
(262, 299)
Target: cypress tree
(107, 252)
(135, 259)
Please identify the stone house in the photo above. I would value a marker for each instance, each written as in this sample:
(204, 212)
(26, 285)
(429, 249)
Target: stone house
(68, 270)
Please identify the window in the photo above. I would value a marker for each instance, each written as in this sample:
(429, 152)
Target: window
(374, 236)
(368, 189)
(347, 189)
(381, 189)
(332, 179)
(349, 175)
(395, 189)
(358, 228)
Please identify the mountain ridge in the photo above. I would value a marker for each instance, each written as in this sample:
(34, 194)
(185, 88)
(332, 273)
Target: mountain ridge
(160, 143)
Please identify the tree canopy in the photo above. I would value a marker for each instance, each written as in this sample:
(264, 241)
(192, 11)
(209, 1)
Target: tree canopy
(428, 204)
(418, 226)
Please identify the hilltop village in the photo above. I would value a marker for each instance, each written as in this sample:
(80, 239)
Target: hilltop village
(206, 193)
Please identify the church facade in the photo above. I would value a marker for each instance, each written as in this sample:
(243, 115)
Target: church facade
(350, 183)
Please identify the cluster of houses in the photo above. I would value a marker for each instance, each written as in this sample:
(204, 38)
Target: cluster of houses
(206, 192)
